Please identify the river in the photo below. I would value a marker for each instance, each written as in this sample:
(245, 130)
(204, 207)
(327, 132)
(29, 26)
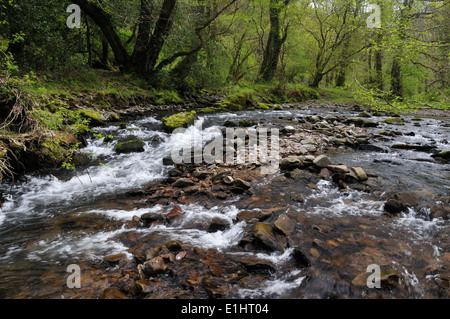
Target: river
(55, 218)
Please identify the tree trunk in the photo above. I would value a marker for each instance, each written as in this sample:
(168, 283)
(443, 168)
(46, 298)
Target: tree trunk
(379, 63)
(396, 77)
(139, 56)
(274, 42)
(105, 52)
(162, 29)
(181, 71)
(88, 41)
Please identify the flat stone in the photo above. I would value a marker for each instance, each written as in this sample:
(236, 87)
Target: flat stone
(360, 174)
(285, 224)
(342, 169)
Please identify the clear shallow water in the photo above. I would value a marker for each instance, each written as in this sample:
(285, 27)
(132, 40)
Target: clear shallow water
(57, 219)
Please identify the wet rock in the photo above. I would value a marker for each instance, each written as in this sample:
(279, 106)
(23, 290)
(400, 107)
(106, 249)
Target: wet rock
(216, 288)
(114, 259)
(247, 123)
(183, 182)
(228, 180)
(254, 264)
(393, 121)
(129, 145)
(364, 114)
(409, 199)
(322, 161)
(154, 252)
(394, 207)
(156, 140)
(229, 123)
(240, 183)
(183, 119)
(252, 216)
(146, 286)
(219, 176)
(148, 218)
(359, 173)
(301, 258)
(154, 266)
(337, 141)
(285, 224)
(263, 232)
(290, 163)
(173, 245)
(444, 155)
(175, 213)
(388, 277)
(324, 173)
(218, 224)
(342, 169)
(175, 172)
(167, 161)
(112, 293)
(200, 174)
(288, 129)
(361, 122)
(420, 148)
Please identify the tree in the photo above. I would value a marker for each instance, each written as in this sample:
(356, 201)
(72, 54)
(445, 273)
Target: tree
(275, 41)
(333, 25)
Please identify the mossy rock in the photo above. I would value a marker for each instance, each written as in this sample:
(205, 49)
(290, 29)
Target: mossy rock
(264, 106)
(278, 108)
(393, 121)
(210, 109)
(130, 146)
(384, 133)
(183, 119)
(444, 154)
(95, 118)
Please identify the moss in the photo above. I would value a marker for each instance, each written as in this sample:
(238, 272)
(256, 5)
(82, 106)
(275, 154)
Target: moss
(94, 117)
(393, 121)
(264, 106)
(210, 110)
(130, 146)
(80, 129)
(384, 133)
(167, 97)
(182, 119)
(444, 154)
(278, 108)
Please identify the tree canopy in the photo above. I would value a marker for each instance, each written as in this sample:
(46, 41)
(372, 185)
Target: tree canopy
(213, 43)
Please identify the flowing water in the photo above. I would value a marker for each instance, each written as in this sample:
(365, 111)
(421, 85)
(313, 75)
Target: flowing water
(51, 219)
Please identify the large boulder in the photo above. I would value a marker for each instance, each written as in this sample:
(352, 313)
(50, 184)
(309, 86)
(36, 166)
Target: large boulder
(183, 119)
(130, 144)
